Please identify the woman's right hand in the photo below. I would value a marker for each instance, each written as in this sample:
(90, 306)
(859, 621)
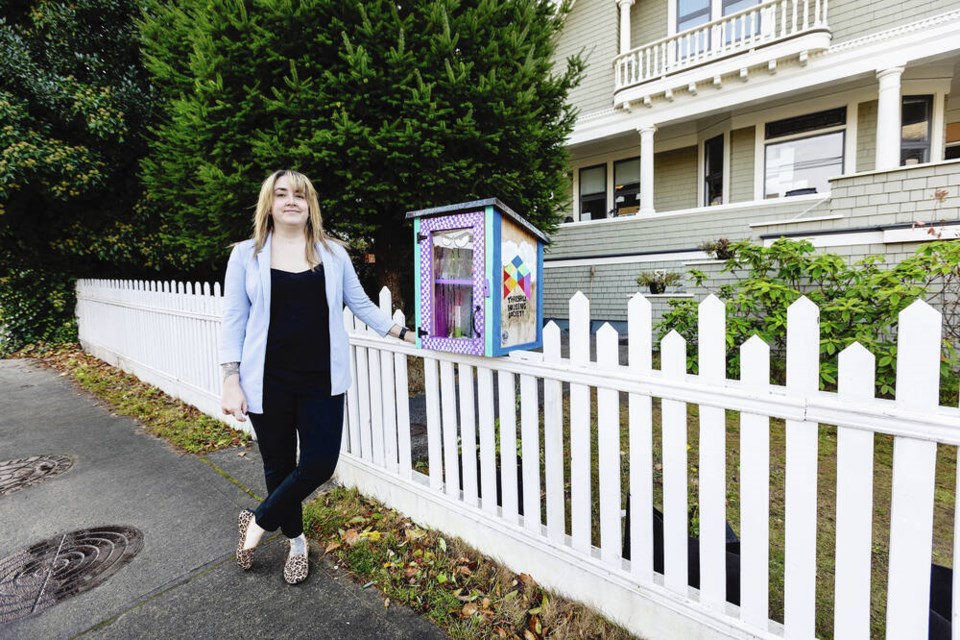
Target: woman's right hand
(233, 403)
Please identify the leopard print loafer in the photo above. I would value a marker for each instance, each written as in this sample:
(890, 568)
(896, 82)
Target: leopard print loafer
(295, 569)
(244, 556)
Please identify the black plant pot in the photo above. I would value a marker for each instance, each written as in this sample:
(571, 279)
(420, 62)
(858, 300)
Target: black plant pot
(499, 496)
(657, 288)
(693, 555)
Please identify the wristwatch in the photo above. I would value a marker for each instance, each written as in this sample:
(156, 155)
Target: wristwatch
(403, 332)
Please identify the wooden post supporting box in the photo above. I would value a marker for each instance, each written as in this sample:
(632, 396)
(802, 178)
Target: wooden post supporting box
(479, 287)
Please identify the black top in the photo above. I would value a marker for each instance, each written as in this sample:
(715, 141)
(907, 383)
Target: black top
(298, 339)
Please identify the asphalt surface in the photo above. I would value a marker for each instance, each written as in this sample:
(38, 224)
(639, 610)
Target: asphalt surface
(184, 582)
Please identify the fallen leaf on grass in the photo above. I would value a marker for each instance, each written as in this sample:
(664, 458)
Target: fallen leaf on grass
(414, 534)
(528, 581)
(534, 626)
(332, 546)
(468, 610)
(373, 536)
(351, 537)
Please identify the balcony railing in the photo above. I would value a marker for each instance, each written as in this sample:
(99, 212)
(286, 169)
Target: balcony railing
(746, 30)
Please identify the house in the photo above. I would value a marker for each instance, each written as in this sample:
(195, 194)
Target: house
(833, 120)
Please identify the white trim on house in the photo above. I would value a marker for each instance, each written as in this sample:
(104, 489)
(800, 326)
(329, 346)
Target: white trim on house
(750, 204)
(635, 259)
(886, 236)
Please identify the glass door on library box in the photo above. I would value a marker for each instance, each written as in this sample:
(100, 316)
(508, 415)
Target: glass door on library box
(452, 282)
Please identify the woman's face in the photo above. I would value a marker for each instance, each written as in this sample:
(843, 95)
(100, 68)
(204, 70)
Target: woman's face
(289, 206)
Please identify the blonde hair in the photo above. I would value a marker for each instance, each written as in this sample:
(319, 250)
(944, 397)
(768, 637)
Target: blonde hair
(313, 230)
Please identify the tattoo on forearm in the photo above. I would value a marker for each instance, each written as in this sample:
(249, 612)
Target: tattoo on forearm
(229, 369)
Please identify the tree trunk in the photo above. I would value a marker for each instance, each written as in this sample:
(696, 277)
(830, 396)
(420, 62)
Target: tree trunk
(393, 249)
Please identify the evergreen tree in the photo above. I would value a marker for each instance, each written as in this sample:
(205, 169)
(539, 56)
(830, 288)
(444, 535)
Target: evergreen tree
(387, 107)
(74, 101)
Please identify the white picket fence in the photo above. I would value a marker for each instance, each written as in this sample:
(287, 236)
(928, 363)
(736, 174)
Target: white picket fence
(167, 334)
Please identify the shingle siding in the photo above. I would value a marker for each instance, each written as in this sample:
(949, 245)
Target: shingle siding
(648, 22)
(866, 135)
(852, 19)
(591, 29)
(675, 177)
(742, 161)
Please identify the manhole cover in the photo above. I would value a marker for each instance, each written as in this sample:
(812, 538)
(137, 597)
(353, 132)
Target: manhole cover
(48, 572)
(23, 472)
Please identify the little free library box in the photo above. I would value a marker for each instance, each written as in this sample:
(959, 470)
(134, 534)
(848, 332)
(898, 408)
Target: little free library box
(478, 279)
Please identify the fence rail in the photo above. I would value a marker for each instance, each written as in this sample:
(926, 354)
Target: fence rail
(535, 457)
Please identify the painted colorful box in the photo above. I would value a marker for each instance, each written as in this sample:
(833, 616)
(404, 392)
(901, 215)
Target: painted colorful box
(479, 269)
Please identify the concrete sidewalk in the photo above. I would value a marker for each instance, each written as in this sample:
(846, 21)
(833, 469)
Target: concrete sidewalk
(184, 582)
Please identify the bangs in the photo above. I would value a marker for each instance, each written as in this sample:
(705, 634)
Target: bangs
(299, 182)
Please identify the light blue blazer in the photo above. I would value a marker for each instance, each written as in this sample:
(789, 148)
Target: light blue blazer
(246, 315)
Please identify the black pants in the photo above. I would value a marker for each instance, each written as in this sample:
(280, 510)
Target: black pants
(292, 406)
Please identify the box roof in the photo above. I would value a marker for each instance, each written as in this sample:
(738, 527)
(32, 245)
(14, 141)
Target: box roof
(473, 205)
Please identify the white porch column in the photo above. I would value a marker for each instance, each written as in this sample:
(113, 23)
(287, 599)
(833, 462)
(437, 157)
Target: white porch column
(888, 118)
(624, 6)
(646, 168)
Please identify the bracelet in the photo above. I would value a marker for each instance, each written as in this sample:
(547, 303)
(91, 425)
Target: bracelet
(403, 332)
(229, 368)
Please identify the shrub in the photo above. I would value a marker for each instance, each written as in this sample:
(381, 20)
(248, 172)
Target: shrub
(36, 306)
(858, 302)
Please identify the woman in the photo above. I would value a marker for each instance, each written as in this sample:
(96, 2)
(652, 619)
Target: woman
(284, 352)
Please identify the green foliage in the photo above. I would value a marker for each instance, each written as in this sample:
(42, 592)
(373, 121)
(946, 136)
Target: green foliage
(387, 107)
(35, 306)
(74, 100)
(719, 249)
(658, 280)
(858, 302)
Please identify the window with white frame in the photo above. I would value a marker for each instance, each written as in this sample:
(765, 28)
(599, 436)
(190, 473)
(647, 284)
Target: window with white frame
(916, 117)
(593, 192)
(801, 154)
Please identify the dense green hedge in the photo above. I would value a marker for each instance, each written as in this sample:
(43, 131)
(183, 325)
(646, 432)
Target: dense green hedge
(36, 306)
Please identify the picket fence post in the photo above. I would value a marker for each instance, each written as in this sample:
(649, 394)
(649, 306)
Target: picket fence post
(580, 427)
(640, 420)
(914, 467)
(856, 373)
(712, 360)
(754, 489)
(673, 354)
(800, 562)
(608, 446)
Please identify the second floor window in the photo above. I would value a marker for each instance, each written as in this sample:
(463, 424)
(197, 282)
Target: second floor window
(694, 13)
